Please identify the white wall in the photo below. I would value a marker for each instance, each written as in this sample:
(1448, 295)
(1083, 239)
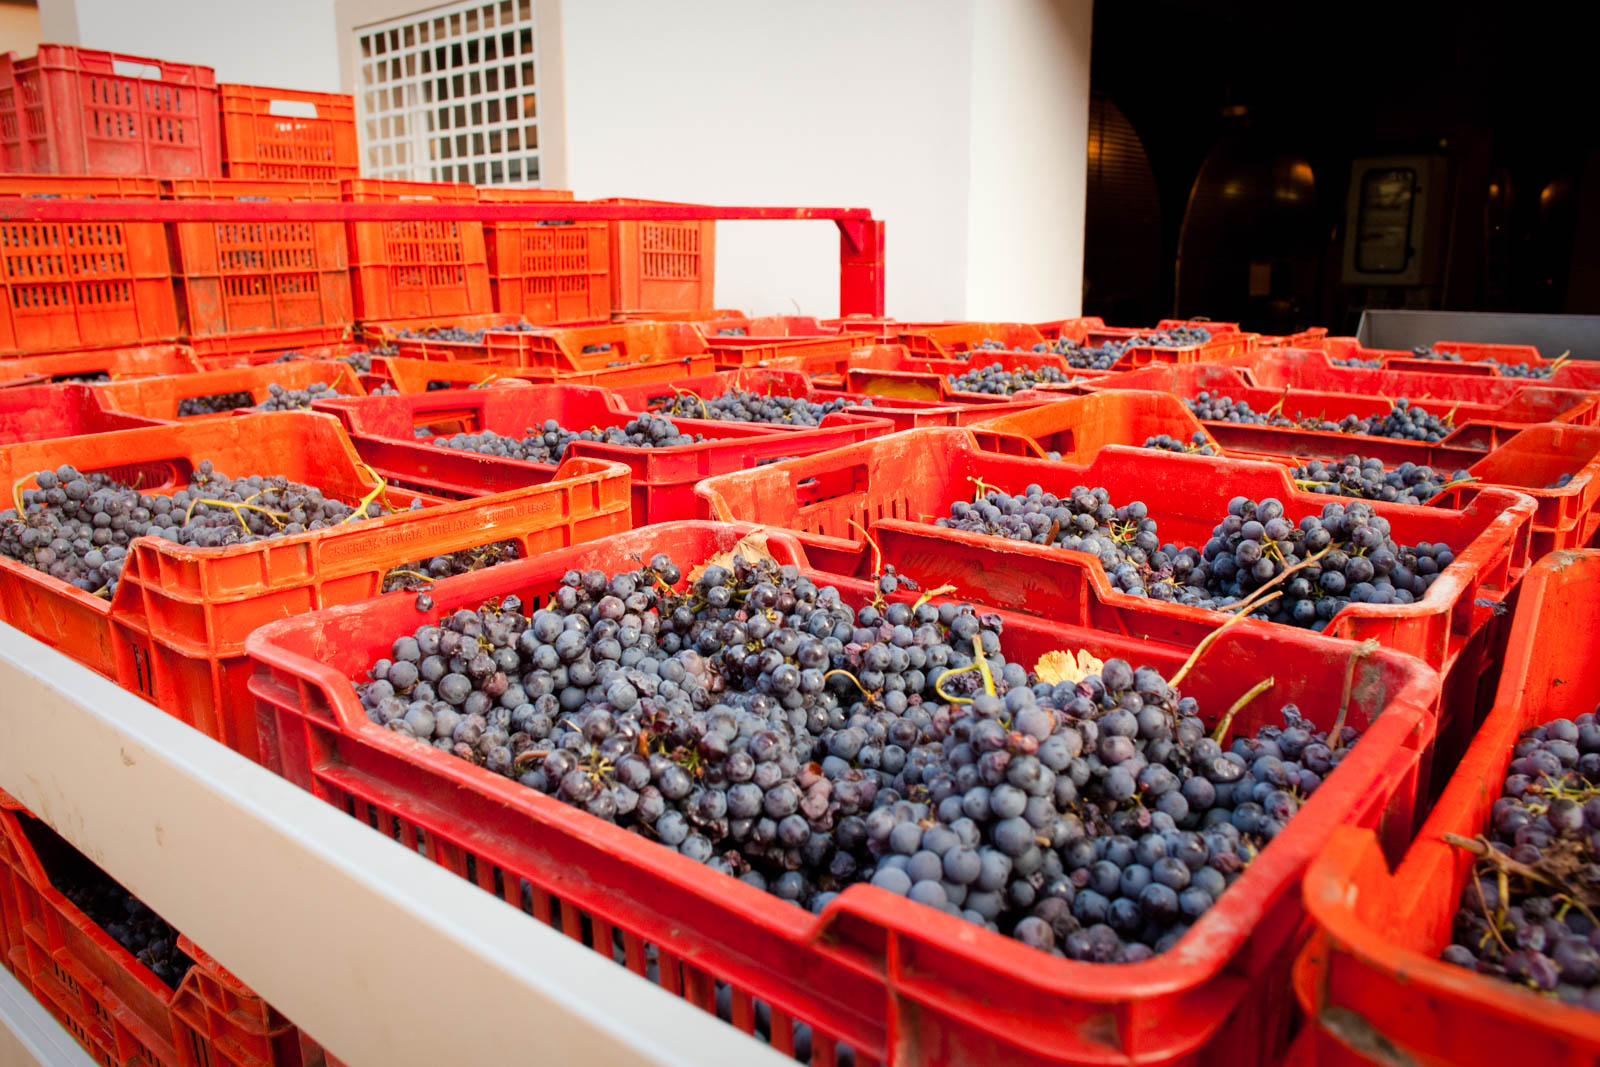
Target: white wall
(1030, 137)
(832, 102)
(284, 43)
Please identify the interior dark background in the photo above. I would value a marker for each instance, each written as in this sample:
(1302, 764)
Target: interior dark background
(1223, 135)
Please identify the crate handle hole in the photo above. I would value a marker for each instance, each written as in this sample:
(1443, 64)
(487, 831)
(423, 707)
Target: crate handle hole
(292, 109)
(127, 68)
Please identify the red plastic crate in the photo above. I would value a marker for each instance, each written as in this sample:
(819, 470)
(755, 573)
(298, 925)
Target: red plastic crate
(899, 485)
(1571, 374)
(1074, 329)
(117, 1009)
(659, 265)
(895, 983)
(590, 348)
(1313, 338)
(1307, 385)
(901, 413)
(84, 111)
(41, 412)
(112, 362)
(288, 134)
(174, 631)
(1371, 976)
(158, 399)
(1203, 323)
(428, 375)
(403, 270)
(12, 159)
(397, 334)
(75, 285)
(251, 286)
(1226, 340)
(547, 272)
(960, 340)
(664, 479)
(1529, 461)
(891, 371)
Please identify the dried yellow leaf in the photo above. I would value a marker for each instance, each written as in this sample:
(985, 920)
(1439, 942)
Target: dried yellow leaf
(752, 546)
(1058, 667)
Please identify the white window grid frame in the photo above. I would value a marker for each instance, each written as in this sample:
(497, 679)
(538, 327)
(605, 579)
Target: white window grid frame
(451, 94)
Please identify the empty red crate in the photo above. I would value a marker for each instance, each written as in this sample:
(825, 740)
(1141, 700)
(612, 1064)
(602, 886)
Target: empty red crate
(174, 629)
(260, 285)
(73, 285)
(84, 111)
(547, 271)
(1371, 980)
(41, 412)
(893, 982)
(899, 485)
(288, 134)
(663, 478)
(119, 1011)
(659, 265)
(162, 398)
(98, 365)
(411, 269)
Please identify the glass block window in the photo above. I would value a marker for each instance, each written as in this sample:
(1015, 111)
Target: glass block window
(451, 95)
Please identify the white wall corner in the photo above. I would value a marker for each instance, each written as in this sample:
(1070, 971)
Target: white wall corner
(58, 21)
(1028, 158)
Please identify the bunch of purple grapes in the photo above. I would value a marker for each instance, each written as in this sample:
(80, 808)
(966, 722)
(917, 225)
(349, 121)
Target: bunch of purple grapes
(548, 443)
(755, 722)
(1546, 818)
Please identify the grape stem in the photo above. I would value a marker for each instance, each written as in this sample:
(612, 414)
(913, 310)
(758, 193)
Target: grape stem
(1208, 641)
(1365, 648)
(16, 493)
(877, 552)
(1226, 722)
(1251, 602)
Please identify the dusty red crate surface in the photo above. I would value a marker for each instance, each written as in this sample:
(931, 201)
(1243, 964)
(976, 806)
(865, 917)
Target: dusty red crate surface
(1371, 977)
(75, 285)
(663, 478)
(892, 981)
(288, 134)
(174, 628)
(116, 1008)
(84, 111)
(260, 285)
(98, 365)
(401, 270)
(42, 412)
